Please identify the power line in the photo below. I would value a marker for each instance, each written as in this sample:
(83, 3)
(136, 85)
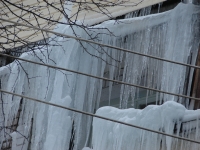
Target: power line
(97, 116)
(102, 78)
(104, 45)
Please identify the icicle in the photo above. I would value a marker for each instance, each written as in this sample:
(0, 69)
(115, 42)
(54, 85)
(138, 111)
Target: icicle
(14, 139)
(159, 5)
(147, 95)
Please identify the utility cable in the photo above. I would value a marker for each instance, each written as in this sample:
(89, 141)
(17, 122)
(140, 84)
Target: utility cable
(104, 45)
(101, 117)
(102, 78)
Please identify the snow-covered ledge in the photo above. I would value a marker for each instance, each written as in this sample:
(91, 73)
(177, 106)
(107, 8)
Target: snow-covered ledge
(109, 135)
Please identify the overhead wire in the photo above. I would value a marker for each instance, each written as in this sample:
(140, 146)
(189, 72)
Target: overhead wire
(104, 45)
(100, 117)
(102, 78)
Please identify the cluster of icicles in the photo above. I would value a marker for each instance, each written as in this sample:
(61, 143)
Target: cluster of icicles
(168, 35)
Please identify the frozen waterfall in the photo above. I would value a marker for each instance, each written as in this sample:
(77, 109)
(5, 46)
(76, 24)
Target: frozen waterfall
(172, 35)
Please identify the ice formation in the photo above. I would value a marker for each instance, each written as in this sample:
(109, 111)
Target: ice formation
(160, 118)
(169, 35)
